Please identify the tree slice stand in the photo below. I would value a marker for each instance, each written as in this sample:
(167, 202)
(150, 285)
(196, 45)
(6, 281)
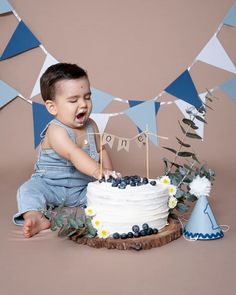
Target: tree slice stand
(169, 233)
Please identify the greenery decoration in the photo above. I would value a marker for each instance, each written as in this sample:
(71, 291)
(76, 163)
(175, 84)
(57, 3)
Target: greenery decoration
(186, 164)
(70, 224)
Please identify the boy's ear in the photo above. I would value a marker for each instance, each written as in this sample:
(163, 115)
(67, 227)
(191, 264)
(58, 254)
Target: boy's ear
(51, 107)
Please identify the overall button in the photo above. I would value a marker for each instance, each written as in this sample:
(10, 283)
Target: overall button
(93, 156)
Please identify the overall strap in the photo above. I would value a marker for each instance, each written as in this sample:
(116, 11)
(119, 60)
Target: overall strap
(92, 143)
(59, 123)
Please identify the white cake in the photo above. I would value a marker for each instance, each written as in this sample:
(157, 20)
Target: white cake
(119, 209)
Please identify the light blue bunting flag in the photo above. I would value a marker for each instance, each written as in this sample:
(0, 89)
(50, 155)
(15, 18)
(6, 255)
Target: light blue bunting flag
(230, 18)
(21, 41)
(229, 88)
(7, 93)
(41, 118)
(100, 100)
(5, 6)
(184, 89)
(144, 115)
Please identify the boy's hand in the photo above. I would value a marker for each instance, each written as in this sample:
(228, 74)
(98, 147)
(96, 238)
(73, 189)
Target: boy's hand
(108, 173)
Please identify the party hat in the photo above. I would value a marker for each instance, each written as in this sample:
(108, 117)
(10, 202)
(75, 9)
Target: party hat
(202, 224)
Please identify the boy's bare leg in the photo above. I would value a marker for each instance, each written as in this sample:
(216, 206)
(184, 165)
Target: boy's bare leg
(34, 223)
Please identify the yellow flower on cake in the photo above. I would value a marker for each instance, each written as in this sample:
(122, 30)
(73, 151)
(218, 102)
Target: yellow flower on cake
(96, 223)
(172, 190)
(172, 202)
(165, 180)
(89, 211)
(103, 233)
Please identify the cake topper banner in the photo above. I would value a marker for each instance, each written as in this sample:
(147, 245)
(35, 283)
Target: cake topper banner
(124, 142)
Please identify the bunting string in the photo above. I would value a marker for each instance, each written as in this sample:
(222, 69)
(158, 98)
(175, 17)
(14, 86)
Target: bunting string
(142, 113)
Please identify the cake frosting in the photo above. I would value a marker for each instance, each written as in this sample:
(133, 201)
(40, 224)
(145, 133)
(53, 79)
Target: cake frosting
(119, 209)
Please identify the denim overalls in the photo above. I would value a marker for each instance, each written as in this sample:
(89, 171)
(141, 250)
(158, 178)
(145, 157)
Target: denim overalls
(55, 180)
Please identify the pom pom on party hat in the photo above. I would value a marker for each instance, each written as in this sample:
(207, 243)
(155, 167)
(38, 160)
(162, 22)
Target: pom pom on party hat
(202, 224)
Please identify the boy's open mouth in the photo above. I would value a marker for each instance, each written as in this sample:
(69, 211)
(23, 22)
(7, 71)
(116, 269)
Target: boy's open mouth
(81, 117)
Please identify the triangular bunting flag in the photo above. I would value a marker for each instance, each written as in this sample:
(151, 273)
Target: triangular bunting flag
(184, 89)
(133, 103)
(21, 41)
(101, 120)
(229, 88)
(144, 115)
(214, 54)
(49, 60)
(100, 100)
(230, 18)
(5, 6)
(7, 93)
(41, 118)
(183, 106)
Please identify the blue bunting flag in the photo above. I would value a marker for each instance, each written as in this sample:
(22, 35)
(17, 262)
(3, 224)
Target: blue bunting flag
(21, 41)
(184, 89)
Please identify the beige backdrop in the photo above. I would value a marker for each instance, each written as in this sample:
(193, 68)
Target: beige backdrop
(132, 49)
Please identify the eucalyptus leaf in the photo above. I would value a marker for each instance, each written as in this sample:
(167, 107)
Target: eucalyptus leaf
(199, 118)
(188, 122)
(193, 135)
(72, 221)
(185, 154)
(170, 149)
(182, 207)
(182, 143)
(195, 158)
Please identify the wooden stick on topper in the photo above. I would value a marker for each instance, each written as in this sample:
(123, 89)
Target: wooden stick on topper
(101, 154)
(147, 154)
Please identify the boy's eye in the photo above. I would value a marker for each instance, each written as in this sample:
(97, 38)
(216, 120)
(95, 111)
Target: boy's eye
(73, 101)
(87, 97)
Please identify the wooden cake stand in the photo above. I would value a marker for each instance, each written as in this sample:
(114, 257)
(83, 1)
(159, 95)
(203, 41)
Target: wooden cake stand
(169, 233)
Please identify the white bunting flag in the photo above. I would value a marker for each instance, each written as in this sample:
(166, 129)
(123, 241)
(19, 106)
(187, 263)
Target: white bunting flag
(49, 60)
(101, 120)
(214, 54)
(123, 143)
(108, 139)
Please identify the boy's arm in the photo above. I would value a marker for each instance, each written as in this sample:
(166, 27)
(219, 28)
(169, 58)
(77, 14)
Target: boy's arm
(61, 143)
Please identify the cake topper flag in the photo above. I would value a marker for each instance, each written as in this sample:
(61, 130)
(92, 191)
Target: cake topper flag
(183, 88)
(49, 60)
(41, 118)
(21, 41)
(7, 93)
(230, 18)
(100, 100)
(214, 54)
(229, 88)
(5, 6)
(202, 224)
(143, 115)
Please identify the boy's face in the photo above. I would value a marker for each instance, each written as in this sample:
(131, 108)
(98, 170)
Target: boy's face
(72, 104)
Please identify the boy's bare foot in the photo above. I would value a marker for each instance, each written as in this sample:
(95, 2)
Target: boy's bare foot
(34, 223)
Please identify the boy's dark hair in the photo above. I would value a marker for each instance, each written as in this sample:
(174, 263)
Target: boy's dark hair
(55, 73)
